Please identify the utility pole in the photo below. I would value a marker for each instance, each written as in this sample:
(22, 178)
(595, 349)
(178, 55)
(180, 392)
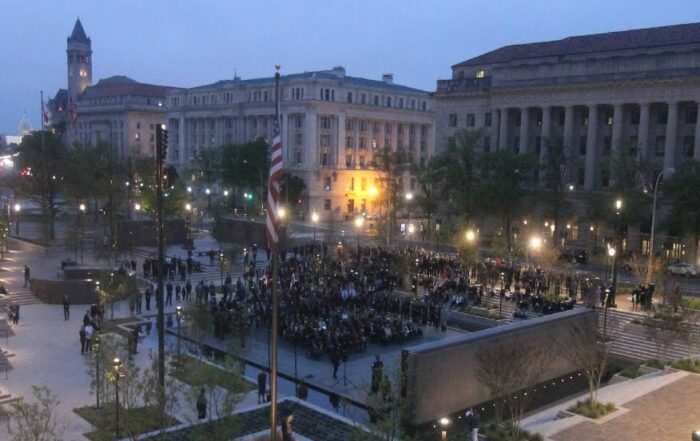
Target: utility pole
(161, 150)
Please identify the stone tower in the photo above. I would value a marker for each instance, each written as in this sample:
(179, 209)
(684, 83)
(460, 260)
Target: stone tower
(79, 56)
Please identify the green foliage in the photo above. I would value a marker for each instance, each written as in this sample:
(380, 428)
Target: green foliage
(199, 373)
(134, 421)
(393, 165)
(687, 365)
(685, 214)
(655, 364)
(291, 189)
(208, 164)
(504, 432)
(690, 302)
(631, 372)
(555, 179)
(595, 411)
(245, 166)
(625, 185)
(35, 421)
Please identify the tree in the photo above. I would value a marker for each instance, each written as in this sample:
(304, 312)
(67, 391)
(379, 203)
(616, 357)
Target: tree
(291, 189)
(245, 167)
(35, 421)
(685, 213)
(392, 166)
(628, 175)
(596, 213)
(556, 180)
(41, 160)
(209, 167)
(428, 181)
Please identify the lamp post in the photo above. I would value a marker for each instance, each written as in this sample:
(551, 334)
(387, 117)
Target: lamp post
(314, 219)
(444, 423)
(117, 365)
(178, 317)
(605, 316)
(358, 223)
(408, 197)
(534, 245)
(81, 211)
(96, 352)
(470, 236)
(17, 207)
(501, 294)
(650, 263)
(618, 249)
(221, 269)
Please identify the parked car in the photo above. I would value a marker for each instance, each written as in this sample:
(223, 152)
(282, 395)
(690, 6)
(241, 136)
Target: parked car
(682, 269)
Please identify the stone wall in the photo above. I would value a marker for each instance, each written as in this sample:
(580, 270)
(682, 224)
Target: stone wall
(80, 292)
(143, 233)
(244, 232)
(440, 375)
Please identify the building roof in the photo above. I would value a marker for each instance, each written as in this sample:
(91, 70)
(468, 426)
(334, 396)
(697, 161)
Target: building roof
(611, 41)
(120, 85)
(78, 35)
(333, 74)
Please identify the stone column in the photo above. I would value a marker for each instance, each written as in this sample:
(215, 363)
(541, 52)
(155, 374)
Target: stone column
(544, 133)
(591, 153)
(671, 136)
(340, 142)
(503, 129)
(311, 157)
(696, 150)
(182, 133)
(287, 153)
(618, 122)
(495, 121)
(643, 131)
(569, 130)
(524, 146)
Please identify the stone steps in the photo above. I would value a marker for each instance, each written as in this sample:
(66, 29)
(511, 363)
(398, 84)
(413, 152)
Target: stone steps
(24, 298)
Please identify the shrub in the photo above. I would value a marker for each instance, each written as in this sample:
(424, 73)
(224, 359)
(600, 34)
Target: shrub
(688, 365)
(655, 364)
(599, 410)
(631, 372)
(690, 302)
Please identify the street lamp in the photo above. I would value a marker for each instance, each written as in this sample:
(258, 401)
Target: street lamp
(81, 211)
(178, 317)
(18, 207)
(613, 291)
(225, 193)
(359, 221)
(221, 268)
(444, 423)
(650, 263)
(314, 219)
(96, 351)
(502, 293)
(137, 206)
(281, 213)
(471, 236)
(117, 365)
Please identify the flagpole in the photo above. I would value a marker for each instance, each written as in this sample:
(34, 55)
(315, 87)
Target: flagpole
(273, 338)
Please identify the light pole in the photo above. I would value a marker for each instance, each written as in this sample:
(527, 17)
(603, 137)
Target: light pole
(605, 316)
(444, 423)
(618, 249)
(650, 263)
(221, 270)
(178, 317)
(81, 211)
(18, 207)
(500, 301)
(314, 219)
(96, 352)
(117, 364)
(359, 221)
(408, 197)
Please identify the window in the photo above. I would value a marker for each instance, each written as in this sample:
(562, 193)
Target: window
(607, 145)
(387, 143)
(350, 97)
(480, 73)
(452, 122)
(349, 142)
(376, 100)
(325, 140)
(605, 177)
(660, 146)
(516, 144)
(486, 146)
(691, 115)
(487, 119)
(363, 98)
(634, 117)
(325, 158)
(387, 128)
(688, 145)
(633, 142)
(470, 120)
(609, 118)
(327, 204)
(351, 186)
(662, 117)
(363, 142)
(349, 124)
(299, 122)
(298, 138)
(376, 127)
(423, 144)
(582, 141)
(265, 96)
(538, 144)
(348, 161)
(362, 162)
(363, 181)
(298, 156)
(399, 129)
(400, 103)
(388, 101)
(325, 122)
(424, 106)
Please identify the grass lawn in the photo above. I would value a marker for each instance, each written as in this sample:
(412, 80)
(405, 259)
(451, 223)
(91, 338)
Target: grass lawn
(688, 365)
(197, 373)
(131, 422)
(600, 410)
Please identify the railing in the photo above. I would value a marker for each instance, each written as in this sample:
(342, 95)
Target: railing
(464, 85)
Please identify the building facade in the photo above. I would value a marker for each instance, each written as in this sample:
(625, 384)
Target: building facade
(117, 110)
(603, 98)
(331, 126)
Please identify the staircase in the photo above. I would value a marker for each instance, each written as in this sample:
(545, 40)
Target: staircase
(630, 340)
(23, 298)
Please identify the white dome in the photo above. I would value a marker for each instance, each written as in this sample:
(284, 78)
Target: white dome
(25, 127)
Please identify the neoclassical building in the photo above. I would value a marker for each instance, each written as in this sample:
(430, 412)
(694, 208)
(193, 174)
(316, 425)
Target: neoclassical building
(117, 110)
(633, 92)
(602, 97)
(331, 126)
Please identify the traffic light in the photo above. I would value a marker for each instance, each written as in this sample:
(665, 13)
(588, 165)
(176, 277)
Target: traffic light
(162, 140)
(248, 196)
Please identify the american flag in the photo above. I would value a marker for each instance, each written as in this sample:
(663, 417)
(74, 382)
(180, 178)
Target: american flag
(273, 186)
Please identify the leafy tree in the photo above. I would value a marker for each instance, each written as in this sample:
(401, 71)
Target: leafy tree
(209, 167)
(596, 213)
(392, 166)
(428, 179)
(245, 166)
(554, 176)
(36, 421)
(41, 157)
(291, 189)
(685, 214)
(625, 184)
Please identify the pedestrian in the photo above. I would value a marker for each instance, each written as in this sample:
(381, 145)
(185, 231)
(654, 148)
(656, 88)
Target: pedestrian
(148, 299)
(377, 374)
(86, 318)
(134, 341)
(83, 340)
(169, 295)
(88, 337)
(302, 390)
(262, 387)
(335, 360)
(473, 424)
(202, 404)
(27, 275)
(66, 307)
(15, 316)
(138, 302)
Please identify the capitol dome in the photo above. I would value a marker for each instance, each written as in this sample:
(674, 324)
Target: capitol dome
(25, 127)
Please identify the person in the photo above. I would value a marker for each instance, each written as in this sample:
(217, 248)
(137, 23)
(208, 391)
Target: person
(202, 404)
(377, 374)
(66, 307)
(262, 387)
(302, 390)
(148, 299)
(83, 340)
(15, 317)
(86, 318)
(27, 275)
(88, 337)
(134, 341)
(473, 424)
(138, 302)
(335, 361)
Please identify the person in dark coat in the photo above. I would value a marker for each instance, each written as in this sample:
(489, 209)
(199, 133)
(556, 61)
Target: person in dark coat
(262, 387)
(66, 307)
(335, 361)
(148, 299)
(202, 404)
(377, 374)
(83, 340)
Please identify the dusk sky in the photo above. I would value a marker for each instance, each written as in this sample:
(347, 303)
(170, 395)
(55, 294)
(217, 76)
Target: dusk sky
(188, 43)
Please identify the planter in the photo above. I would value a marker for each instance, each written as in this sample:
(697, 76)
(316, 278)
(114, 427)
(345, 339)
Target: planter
(471, 322)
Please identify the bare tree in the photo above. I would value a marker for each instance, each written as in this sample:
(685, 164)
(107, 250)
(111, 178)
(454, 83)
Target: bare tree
(35, 421)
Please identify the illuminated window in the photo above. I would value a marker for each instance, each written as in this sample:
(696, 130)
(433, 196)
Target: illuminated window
(480, 73)
(83, 73)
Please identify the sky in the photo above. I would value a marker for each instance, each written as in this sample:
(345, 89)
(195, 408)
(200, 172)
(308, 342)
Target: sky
(188, 43)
